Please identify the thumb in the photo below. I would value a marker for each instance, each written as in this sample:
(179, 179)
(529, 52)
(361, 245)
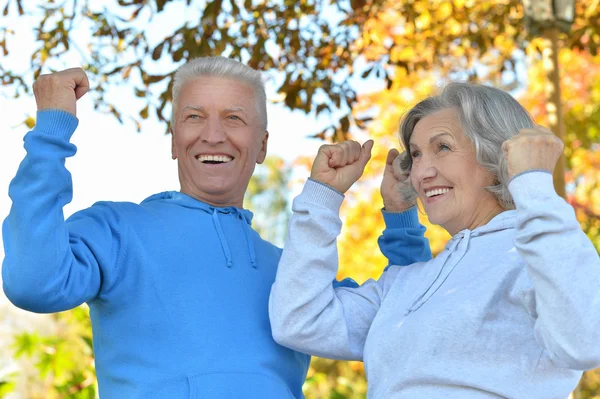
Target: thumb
(392, 154)
(365, 152)
(389, 162)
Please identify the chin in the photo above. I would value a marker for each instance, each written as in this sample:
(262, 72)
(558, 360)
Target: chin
(438, 220)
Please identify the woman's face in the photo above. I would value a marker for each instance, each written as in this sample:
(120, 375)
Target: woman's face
(449, 181)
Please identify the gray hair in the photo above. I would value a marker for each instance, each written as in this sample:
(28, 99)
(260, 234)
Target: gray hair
(489, 116)
(221, 67)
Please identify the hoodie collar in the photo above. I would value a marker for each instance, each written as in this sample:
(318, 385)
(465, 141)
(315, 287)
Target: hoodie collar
(191, 202)
(502, 221)
(245, 215)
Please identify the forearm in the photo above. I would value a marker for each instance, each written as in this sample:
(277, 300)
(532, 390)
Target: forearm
(564, 269)
(37, 266)
(307, 313)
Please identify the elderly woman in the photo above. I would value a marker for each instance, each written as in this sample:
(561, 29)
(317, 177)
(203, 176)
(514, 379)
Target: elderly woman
(510, 308)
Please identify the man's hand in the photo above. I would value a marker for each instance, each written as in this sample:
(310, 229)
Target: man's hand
(396, 190)
(535, 148)
(61, 90)
(340, 165)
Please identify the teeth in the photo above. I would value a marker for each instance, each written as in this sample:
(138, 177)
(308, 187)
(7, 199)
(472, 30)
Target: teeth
(437, 192)
(214, 158)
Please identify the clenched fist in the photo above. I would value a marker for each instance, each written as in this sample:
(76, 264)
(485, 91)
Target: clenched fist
(535, 148)
(340, 165)
(396, 190)
(61, 90)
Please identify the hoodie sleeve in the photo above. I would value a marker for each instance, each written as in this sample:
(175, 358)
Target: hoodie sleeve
(307, 313)
(403, 241)
(51, 265)
(564, 269)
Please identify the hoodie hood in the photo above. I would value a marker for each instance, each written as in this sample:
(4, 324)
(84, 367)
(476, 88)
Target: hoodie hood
(244, 215)
(185, 200)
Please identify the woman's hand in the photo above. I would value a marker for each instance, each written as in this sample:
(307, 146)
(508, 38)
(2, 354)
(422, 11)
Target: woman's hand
(396, 189)
(535, 148)
(341, 165)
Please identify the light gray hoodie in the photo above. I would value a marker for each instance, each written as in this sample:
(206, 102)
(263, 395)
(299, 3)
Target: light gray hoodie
(509, 309)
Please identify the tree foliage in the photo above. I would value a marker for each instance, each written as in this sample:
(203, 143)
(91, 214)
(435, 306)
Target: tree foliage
(270, 205)
(64, 361)
(310, 47)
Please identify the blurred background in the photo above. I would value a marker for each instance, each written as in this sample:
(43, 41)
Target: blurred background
(333, 70)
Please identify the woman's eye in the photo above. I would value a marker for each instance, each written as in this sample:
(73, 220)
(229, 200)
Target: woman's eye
(414, 154)
(443, 147)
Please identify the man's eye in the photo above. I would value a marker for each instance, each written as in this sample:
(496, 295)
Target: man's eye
(234, 117)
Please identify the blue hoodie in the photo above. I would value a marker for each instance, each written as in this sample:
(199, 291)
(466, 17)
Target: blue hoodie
(177, 289)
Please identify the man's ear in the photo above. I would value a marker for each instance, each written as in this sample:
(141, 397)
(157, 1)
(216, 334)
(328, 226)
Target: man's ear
(173, 151)
(262, 154)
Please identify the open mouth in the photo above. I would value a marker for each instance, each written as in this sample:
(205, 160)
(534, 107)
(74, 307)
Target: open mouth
(437, 192)
(214, 159)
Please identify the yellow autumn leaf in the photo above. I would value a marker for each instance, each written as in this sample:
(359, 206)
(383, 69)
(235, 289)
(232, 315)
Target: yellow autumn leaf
(30, 122)
(459, 4)
(423, 21)
(444, 11)
(454, 27)
(402, 54)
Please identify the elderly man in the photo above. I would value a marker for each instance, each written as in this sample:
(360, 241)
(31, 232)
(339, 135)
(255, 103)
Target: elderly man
(177, 285)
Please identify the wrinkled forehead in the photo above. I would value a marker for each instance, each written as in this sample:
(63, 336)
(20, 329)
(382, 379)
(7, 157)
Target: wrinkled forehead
(208, 92)
(445, 121)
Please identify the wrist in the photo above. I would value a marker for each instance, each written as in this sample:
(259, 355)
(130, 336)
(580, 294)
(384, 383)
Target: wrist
(326, 185)
(396, 207)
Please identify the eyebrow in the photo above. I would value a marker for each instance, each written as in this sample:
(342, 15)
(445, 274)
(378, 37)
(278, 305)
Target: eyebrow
(201, 108)
(235, 109)
(193, 107)
(431, 139)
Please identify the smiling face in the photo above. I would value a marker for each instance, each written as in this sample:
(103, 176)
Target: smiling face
(450, 182)
(217, 139)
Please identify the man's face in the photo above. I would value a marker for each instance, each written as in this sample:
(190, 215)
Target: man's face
(217, 138)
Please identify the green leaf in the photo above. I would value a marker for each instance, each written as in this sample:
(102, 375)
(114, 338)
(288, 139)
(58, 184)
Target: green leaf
(7, 387)
(25, 344)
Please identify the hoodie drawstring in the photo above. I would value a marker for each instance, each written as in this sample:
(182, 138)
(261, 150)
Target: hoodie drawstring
(224, 245)
(462, 242)
(245, 226)
(249, 241)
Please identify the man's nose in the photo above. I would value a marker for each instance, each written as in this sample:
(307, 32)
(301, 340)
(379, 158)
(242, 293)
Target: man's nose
(214, 132)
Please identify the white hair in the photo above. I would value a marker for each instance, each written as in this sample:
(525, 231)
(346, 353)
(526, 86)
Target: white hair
(489, 117)
(223, 68)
